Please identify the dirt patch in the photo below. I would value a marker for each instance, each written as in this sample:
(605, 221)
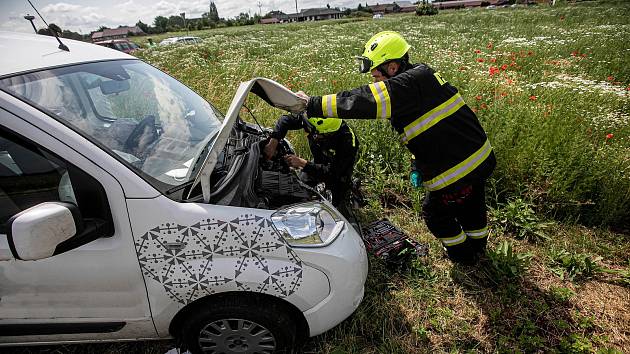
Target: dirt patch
(609, 304)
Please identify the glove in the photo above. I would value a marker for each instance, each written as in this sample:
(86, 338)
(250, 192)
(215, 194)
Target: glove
(415, 179)
(301, 103)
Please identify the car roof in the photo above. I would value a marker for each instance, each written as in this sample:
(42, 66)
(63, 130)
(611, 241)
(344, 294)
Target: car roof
(33, 51)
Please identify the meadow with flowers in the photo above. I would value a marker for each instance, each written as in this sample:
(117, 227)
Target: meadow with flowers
(551, 86)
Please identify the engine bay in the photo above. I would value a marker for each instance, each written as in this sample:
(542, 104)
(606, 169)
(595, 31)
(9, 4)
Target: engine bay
(243, 177)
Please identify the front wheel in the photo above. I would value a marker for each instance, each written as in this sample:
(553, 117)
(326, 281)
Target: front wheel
(239, 326)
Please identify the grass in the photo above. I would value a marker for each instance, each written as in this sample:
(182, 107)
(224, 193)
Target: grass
(551, 86)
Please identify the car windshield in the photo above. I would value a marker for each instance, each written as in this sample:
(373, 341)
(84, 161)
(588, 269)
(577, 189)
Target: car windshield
(143, 116)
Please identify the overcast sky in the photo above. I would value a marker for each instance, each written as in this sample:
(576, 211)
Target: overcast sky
(87, 15)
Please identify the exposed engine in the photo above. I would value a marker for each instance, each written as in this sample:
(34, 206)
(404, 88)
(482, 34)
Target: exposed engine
(243, 177)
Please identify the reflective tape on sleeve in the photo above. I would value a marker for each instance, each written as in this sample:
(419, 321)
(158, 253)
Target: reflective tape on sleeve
(329, 106)
(382, 99)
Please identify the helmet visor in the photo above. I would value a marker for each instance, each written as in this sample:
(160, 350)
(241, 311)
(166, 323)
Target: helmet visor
(364, 64)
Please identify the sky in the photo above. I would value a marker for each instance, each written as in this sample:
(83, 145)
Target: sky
(84, 16)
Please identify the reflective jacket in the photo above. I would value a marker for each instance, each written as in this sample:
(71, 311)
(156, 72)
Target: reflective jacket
(334, 154)
(431, 118)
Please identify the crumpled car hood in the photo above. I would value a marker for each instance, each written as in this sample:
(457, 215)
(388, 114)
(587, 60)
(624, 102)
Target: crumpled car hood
(271, 92)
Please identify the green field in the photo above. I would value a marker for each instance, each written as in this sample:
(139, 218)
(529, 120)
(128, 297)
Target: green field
(551, 85)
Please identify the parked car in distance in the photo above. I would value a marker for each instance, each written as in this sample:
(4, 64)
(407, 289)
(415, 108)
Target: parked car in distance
(122, 45)
(181, 40)
(378, 16)
(133, 209)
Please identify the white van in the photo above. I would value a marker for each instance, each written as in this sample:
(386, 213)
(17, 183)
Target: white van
(130, 208)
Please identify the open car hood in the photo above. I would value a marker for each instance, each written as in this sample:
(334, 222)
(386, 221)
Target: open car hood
(270, 91)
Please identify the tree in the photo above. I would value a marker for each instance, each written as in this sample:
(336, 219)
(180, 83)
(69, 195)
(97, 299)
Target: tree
(143, 26)
(102, 28)
(161, 24)
(176, 21)
(213, 15)
(328, 6)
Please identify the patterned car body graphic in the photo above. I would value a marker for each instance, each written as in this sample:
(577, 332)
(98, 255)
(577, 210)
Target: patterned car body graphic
(210, 256)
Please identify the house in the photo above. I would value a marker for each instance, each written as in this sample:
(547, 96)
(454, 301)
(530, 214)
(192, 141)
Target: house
(406, 6)
(457, 4)
(315, 14)
(116, 33)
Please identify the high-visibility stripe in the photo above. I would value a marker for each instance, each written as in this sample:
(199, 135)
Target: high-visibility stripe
(477, 234)
(382, 99)
(329, 106)
(432, 117)
(460, 170)
(386, 109)
(354, 138)
(455, 240)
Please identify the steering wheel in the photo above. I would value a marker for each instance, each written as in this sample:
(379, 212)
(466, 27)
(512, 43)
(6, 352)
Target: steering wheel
(141, 136)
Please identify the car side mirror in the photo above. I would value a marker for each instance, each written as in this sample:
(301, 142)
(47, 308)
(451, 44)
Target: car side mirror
(36, 232)
(114, 86)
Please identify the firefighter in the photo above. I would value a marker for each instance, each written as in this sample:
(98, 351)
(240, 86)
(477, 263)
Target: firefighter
(453, 156)
(334, 147)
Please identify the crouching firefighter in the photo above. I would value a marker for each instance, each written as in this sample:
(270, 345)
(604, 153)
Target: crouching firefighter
(452, 152)
(334, 147)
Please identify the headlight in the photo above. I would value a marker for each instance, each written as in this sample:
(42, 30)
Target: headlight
(308, 225)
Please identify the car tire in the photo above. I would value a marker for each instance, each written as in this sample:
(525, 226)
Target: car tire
(239, 325)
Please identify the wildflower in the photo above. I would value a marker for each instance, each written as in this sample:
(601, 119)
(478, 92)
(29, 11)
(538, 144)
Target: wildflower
(530, 53)
(609, 136)
(493, 70)
(474, 109)
(492, 60)
(477, 51)
(484, 106)
(583, 55)
(562, 18)
(610, 78)
(478, 97)
(574, 53)
(504, 67)
(462, 68)
(480, 60)
(489, 46)
(503, 94)
(533, 98)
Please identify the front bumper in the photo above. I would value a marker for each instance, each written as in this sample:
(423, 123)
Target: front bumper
(345, 264)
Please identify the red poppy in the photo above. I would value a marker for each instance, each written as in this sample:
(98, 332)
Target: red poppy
(562, 18)
(628, 88)
(504, 67)
(533, 98)
(480, 60)
(484, 106)
(610, 78)
(477, 51)
(494, 70)
(489, 46)
(530, 53)
(583, 55)
(503, 94)
(462, 68)
(492, 60)
(509, 81)
(478, 97)
(574, 53)
(474, 109)
(609, 136)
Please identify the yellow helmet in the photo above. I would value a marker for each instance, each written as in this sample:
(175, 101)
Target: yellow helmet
(382, 47)
(325, 125)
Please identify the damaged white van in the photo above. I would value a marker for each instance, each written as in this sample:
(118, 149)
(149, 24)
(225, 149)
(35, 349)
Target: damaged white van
(132, 209)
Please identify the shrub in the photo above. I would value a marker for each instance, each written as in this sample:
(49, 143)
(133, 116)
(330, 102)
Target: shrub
(426, 10)
(573, 266)
(518, 218)
(507, 263)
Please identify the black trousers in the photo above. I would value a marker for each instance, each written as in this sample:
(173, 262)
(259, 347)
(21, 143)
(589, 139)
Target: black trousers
(458, 218)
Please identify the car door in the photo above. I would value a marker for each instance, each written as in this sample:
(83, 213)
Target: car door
(93, 288)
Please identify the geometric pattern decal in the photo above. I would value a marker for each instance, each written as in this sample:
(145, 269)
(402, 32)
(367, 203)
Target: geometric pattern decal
(213, 255)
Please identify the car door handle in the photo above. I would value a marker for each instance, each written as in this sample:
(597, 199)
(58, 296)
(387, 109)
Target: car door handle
(178, 246)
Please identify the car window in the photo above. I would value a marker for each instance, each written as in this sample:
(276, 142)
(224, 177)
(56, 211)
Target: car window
(145, 117)
(30, 175)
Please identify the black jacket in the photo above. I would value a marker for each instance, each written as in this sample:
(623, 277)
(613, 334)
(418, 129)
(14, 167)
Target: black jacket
(334, 154)
(450, 146)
